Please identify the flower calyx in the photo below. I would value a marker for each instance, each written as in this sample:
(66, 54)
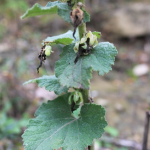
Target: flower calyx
(85, 45)
(75, 97)
(88, 40)
(76, 102)
(48, 50)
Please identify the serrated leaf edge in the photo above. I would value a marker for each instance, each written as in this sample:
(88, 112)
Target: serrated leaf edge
(74, 119)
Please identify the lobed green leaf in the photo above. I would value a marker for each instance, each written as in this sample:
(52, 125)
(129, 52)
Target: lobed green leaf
(78, 75)
(37, 10)
(64, 39)
(86, 17)
(50, 83)
(62, 9)
(55, 127)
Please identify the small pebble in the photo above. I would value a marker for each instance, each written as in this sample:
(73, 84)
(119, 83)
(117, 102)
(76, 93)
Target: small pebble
(102, 102)
(141, 69)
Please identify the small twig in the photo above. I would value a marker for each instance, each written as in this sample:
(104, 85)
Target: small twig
(89, 147)
(146, 129)
(42, 57)
(39, 66)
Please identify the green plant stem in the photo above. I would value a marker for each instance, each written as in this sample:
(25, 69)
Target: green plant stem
(82, 31)
(82, 27)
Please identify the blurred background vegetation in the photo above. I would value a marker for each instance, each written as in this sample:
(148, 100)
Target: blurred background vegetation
(124, 92)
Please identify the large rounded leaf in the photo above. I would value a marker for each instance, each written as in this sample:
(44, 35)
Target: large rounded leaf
(78, 75)
(54, 126)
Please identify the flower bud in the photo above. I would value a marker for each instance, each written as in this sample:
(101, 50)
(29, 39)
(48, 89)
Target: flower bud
(78, 97)
(75, 96)
(48, 50)
(93, 39)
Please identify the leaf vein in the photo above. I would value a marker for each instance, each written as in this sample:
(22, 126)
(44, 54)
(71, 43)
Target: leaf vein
(56, 131)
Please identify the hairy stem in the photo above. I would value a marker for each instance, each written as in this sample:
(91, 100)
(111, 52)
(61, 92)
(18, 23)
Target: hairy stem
(82, 27)
(82, 31)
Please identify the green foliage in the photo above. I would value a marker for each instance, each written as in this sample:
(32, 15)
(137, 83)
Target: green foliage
(86, 16)
(69, 122)
(64, 39)
(50, 83)
(10, 8)
(12, 5)
(112, 131)
(9, 126)
(98, 34)
(77, 97)
(54, 127)
(78, 75)
(76, 113)
(58, 7)
(131, 74)
(121, 148)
